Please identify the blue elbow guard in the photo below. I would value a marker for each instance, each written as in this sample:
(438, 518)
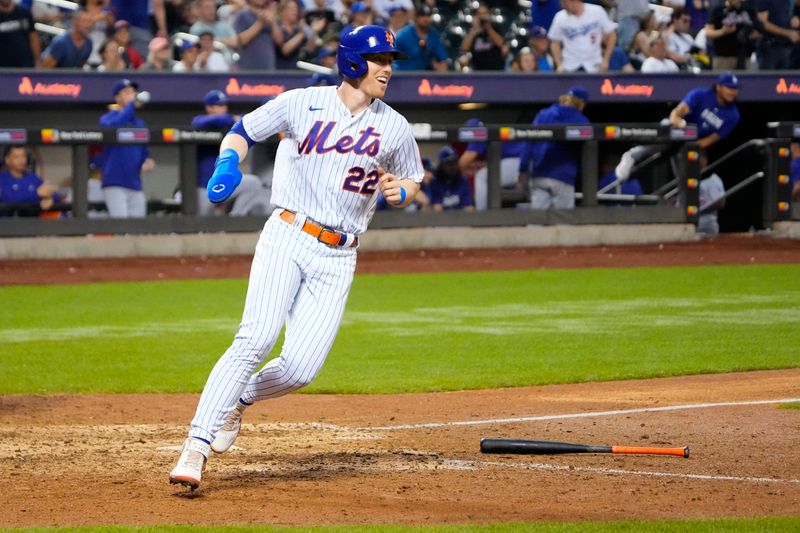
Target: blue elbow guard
(226, 177)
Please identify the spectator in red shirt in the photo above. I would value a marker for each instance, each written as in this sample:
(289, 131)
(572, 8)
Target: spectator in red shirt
(122, 36)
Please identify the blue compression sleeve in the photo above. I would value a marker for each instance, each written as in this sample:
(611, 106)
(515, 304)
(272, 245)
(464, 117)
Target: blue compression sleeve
(238, 129)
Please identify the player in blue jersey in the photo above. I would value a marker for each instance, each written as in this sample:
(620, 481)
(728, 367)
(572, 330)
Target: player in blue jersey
(714, 111)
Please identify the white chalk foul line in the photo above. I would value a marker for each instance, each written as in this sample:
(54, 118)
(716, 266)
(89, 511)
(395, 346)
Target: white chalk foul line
(430, 425)
(598, 470)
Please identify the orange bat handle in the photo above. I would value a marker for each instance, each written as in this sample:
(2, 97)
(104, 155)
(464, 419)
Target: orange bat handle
(682, 452)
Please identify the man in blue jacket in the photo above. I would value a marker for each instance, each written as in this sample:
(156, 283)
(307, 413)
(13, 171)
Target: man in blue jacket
(250, 197)
(122, 182)
(553, 166)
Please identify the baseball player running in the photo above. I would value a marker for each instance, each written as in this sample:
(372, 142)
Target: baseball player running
(341, 145)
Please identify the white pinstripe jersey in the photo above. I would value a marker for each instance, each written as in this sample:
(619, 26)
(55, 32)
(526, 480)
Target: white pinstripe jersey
(326, 165)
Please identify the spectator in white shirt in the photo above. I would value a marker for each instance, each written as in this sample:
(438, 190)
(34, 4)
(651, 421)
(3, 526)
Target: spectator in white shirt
(658, 61)
(582, 37)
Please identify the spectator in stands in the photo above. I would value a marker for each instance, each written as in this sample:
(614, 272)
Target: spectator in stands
(207, 22)
(543, 11)
(733, 27)
(775, 48)
(714, 111)
(292, 36)
(254, 26)
(582, 37)
(159, 57)
(21, 190)
(360, 15)
(794, 171)
(629, 16)
(486, 49)
(323, 9)
(122, 182)
(540, 46)
(209, 60)
(680, 43)
(698, 13)
(509, 166)
(137, 14)
(639, 49)
(553, 166)
(383, 8)
(619, 61)
(102, 22)
(71, 49)
(111, 58)
(250, 197)
(421, 43)
(658, 62)
(524, 61)
(189, 51)
(20, 46)
(449, 188)
(174, 13)
(122, 36)
(399, 18)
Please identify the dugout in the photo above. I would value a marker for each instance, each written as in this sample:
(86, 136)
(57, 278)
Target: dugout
(37, 100)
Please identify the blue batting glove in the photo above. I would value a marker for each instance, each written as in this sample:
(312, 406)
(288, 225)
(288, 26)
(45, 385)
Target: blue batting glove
(226, 177)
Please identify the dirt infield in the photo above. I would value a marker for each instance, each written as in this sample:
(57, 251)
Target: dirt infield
(414, 458)
(319, 459)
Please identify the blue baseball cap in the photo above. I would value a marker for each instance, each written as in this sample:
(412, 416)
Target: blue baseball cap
(473, 122)
(320, 79)
(358, 7)
(121, 84)
(537, 32)
(216, 97)
(447, 154)
(187, 44)
(325, 52)
(579, 92)
(728, 79)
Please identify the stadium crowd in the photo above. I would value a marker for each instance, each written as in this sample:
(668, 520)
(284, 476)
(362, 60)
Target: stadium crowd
(456, 35)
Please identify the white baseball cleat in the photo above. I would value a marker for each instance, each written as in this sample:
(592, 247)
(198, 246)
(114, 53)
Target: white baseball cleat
(626, 163)
(190, 465)
(227, 434)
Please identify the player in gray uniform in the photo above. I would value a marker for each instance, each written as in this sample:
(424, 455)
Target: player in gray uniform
(341, 146)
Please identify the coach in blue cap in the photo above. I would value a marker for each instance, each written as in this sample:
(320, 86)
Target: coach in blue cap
(549, 169)
(250, 197)
(122, 182)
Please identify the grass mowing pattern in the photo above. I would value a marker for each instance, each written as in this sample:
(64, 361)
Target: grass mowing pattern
(420, 332)
(765, 525)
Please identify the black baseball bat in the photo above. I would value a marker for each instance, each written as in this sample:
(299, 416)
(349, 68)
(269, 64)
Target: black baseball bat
(546, 447)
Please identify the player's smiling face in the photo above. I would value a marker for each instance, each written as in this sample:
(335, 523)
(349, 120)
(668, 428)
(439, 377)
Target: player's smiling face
(376, 80)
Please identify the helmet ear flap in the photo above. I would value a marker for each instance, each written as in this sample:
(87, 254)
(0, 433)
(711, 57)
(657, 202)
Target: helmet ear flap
(351, 64)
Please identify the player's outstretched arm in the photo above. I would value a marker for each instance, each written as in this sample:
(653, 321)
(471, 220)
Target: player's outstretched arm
(398, 192)
(227, 176)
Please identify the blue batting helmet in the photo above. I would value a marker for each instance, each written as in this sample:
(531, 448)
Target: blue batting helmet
(360, 41)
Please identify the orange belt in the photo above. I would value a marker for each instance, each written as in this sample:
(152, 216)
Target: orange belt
(329, 236)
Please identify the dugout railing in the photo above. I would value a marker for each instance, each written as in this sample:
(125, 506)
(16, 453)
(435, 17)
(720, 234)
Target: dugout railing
(588, 210)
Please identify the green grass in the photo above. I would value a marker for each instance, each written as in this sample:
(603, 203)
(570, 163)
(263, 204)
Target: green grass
(776, 525)
(790, 405)
(420, 332)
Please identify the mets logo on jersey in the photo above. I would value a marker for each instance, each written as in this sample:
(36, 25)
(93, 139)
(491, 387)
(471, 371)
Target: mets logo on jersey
(368, 141)
(390, 38)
